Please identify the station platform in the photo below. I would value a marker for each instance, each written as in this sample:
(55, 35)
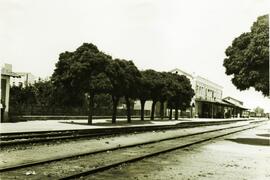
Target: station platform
(59, 125)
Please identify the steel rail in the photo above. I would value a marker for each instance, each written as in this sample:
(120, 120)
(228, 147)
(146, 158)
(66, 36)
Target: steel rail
(4, 169)
(14, 134)
(132, 160)
(45, 136)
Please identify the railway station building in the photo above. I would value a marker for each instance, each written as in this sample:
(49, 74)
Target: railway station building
(207, 101)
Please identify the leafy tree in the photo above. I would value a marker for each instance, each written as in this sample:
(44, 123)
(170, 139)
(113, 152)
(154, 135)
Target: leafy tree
(30, 96)
(187, 93)
(65, 93)
(124, 77)
(22, 97)
(43, 93)
(172, 90)
(103, 101)
(143, 93)
(162, 87)
(82, 72)
(182, 94)
(170, 106)
(248, 58)
(115, 74)
(259, 110)
(132, 78)
(168, 90)
(155, 86)
(16, 99)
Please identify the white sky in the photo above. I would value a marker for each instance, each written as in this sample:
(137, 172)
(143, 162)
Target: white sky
(161, 35)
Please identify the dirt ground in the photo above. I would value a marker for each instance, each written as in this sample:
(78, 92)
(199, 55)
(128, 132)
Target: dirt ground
(245, 155)
(39, 152)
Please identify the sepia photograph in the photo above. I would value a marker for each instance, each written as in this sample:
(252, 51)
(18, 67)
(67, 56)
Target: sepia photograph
(134, 90)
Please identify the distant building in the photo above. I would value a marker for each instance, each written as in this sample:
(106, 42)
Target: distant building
(6, 74)
(25, 79)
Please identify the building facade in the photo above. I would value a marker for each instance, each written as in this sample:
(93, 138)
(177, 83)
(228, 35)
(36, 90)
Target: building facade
(6, 75)
(207, 101)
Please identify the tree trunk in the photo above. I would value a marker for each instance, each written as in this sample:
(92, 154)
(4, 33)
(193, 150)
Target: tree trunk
(115, 103)
(128, 109)
(43, 108)
(91, 108)
(153, 110)
(176, 114)
(142, 109)
(170, 115)
(161, 110)
(53, 109)
(31, 109)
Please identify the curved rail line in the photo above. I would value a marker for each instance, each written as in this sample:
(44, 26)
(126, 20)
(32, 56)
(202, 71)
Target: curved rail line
(135, 159)
(32, 164)
(46, 136)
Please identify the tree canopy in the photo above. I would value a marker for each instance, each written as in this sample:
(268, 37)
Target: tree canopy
(181, 93)
(88, 72)
(22, 96)
(259, 110)
(155, 85)
(124, 77)
(82, 71)
(248, 58)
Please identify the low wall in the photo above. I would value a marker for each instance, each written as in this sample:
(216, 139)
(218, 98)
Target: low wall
(36, 118)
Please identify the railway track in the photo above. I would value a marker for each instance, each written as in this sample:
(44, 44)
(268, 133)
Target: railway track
(8, 139)
(19, 138)
(77, 166)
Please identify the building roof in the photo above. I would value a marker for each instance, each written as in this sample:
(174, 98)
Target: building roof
(181, 72)
(235, 104)
(11, 74)
(6, 70)
(230, 99)
(222, 102)
(216, 101)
